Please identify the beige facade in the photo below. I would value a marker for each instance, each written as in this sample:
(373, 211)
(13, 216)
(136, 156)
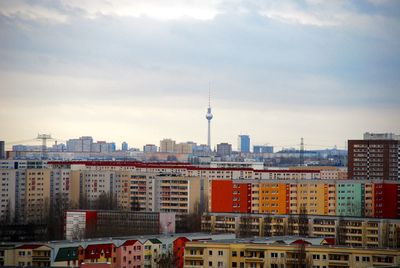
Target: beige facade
(285, 253)
(358, 232)
(37, 194)
(183, 148)
(32, 255)
(7, 194)
(167, 146)
(309, 196)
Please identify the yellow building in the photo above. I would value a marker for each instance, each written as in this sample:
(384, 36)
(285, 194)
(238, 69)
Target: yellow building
(37, 194)
(308, 196)
(350, 231)
(284, 252)
(152, 251)
(35, 255)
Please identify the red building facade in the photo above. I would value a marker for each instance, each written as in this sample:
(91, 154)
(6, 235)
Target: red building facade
(387, 200)
(230, 196)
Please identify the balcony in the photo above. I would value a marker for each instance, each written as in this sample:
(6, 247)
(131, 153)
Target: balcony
(193, 257)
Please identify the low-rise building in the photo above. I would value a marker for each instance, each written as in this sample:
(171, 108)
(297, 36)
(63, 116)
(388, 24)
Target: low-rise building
(351, 231)
(98, 223)
(285, 252)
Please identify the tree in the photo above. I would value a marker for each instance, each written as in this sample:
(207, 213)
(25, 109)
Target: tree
(301, 260)
(56, 216)
(106, 201)
(303, 221)
(268, 225)
(290, 225)
(246, 226)
(166, 261)
(341, 231)
(190, 222)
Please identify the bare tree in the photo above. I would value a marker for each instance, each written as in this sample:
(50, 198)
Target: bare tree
(190, 222)
(303, 221)
(341, 231)
(246, 226)
(268, 225)
(300, 257)
(56, 216)
(106, 201)
(290, 225)
(166, 261)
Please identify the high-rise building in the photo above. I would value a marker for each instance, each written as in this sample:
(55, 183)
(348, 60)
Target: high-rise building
(2, 150)
(103, 147)
(124, 146)
(260, 149)
(150, 148)
(184, 148)
(167, 146)
(374, 157)
(86, 143)
(244, 143)
(83, 144)
(224, 149)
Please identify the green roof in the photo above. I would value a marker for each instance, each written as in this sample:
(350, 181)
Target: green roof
(67, 254)
(155, 241)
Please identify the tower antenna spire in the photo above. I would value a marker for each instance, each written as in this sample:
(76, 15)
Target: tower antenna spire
(209, 94)
(209, 116)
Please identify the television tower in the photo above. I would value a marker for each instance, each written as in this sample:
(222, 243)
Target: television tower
(209, 116)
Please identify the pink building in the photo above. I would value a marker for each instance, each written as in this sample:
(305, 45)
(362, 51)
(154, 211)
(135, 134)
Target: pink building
(130, 254)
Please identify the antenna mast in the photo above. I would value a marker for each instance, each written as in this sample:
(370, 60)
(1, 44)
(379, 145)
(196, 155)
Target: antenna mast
(44, 138)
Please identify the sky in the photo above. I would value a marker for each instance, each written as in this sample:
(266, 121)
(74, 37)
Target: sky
(140, 71)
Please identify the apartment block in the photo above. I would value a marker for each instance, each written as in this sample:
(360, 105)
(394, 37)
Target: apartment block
(377, 156)
(273, 198)
(350, 231)
(285, 252)
(230, 196)
(37, 194)
(7, 194)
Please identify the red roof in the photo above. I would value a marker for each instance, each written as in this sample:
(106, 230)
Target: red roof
(95, 251)
(181, 239)
(129, 242)
(29, 246)
(329, 241)
(300, 242)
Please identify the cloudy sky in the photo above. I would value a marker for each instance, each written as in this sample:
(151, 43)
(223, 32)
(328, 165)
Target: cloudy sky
(139, 71)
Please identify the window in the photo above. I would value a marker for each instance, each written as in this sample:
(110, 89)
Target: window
(210, 252)
(241, 253)
(242, 265)
(220, 253)
(220, 264)
(365, 259)
(274, 255)
(234, 254)
(210, 263)
(234, 264)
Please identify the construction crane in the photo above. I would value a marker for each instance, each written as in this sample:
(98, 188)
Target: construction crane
(44, 138)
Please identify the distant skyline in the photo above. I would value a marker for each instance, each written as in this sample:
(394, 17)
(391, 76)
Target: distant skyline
(139, 71)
